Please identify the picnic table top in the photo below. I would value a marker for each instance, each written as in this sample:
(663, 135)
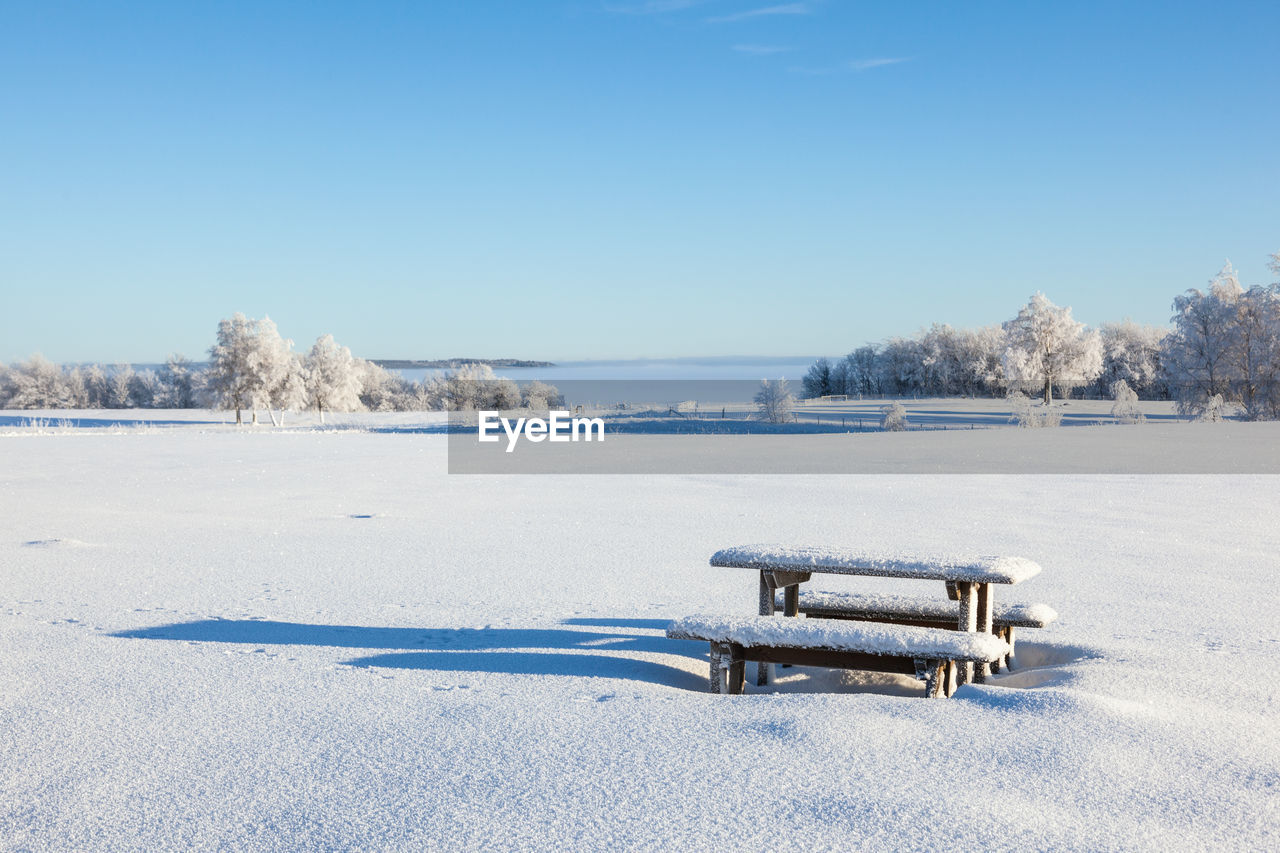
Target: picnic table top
(844, 561)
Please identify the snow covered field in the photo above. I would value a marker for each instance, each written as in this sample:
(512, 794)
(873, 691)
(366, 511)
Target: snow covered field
(320, 640)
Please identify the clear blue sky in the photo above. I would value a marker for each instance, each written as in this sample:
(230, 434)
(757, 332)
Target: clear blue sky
(578, 179)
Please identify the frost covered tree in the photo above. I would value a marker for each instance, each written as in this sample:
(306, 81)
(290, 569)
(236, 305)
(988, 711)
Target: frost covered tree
(1197, 356)
(1226, 343)
(940, 371)
(539, 396)
(144, 387)
(1131, 352)
(279, 381)
(984, 358)
(862, 371)
(77, 388)
(97, 386)
(252, 367)
(1254, 354)
(774, 401)
(893, 417)
(119, 381)
(817, 381)
(465, 389)
(379, 388)
(37, 383)
(503, 394)
(178, 382)
(232, 375)
(331, 377)
(839, 377)
(1125, 408)
(1046, 347)
(901, 364)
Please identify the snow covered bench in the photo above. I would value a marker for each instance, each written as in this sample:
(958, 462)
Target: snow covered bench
(922, 612)
(928, 653)
(970, 577)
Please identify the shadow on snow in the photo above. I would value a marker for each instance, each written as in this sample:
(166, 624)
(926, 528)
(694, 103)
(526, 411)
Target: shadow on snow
(516, 651)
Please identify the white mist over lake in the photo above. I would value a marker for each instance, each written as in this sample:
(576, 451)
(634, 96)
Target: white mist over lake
(730, 367)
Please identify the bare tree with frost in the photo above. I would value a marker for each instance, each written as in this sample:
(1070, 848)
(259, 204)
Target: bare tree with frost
(332, 377)
(1046, 347)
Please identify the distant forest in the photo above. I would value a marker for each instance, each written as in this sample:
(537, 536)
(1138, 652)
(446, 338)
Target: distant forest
(1222, 350)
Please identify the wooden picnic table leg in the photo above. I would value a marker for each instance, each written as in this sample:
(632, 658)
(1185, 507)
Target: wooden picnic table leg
(767, 608)
(935, 672)
(721, 673)
(984, 625)
(791, 600)
(968, 622)
(737, 670)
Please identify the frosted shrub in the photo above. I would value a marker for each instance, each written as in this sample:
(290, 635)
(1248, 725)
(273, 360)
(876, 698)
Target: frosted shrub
(774, 401)
(893, 417)
(1211, 410)
(1026, 414)
(1125, 409)
(1020, 406)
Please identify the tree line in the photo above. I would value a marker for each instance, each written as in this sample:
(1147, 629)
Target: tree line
(1223, 348)
(252, 368)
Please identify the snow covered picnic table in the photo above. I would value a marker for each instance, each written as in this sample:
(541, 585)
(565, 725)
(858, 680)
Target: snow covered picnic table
(930, 654)
(969, 581)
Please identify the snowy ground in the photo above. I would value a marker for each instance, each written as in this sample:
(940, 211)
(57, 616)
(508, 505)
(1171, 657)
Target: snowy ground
(272, 640)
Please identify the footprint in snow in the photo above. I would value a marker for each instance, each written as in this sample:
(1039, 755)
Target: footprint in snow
(54, 543)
